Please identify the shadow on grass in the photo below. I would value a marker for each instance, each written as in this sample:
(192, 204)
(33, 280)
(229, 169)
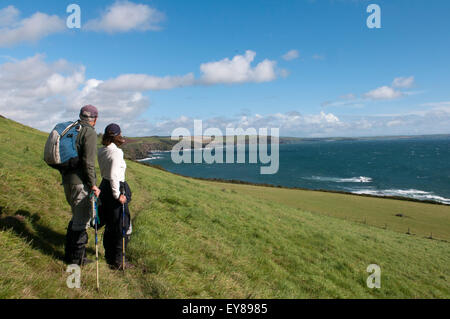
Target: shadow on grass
(40, 237)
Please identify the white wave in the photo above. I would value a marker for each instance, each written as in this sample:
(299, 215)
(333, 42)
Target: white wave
(149, 158)
(360, 179)
(411, 193)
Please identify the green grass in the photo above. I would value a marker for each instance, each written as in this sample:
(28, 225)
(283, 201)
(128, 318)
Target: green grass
(420, 219)
(199, 239)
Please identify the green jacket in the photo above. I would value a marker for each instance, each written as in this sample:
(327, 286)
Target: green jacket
(87, 151)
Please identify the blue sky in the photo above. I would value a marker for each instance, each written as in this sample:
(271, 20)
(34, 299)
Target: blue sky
(311, 68)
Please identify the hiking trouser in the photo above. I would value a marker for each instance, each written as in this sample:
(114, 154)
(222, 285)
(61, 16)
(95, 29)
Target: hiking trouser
(76, 238)
(75, 248)
(111, 215)
(78, 198)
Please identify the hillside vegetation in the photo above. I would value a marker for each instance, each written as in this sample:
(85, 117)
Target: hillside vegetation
(199, 239)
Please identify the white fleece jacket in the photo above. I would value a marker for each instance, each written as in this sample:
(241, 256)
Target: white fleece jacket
(112, 166)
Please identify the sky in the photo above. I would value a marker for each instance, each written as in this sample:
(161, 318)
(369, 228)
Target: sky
(309, 68)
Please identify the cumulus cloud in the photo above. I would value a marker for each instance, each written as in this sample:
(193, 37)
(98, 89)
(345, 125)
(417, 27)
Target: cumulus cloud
(238, 70)
(291, 55)
(8, 16)
(383, 93)
(40, 94)
(226, 71)
(124, 16)
(34, 92)
(290, 123)
(323, 124)
(31, 29)
(144, 82)
(403, 82)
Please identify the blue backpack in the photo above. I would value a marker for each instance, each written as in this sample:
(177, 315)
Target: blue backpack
(60, 150)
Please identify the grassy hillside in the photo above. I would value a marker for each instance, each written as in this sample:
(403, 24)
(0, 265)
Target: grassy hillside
(201, 239)
(404, 216)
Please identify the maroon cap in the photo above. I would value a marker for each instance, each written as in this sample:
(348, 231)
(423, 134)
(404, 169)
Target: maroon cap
(88, 111)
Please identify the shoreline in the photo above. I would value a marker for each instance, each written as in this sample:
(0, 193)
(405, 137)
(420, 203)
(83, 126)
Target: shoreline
(240, 182)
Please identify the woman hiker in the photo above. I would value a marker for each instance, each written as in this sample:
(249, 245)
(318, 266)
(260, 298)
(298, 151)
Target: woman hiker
(114, 198)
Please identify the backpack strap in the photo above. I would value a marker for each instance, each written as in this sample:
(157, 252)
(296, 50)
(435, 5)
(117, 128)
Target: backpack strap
(70, 127)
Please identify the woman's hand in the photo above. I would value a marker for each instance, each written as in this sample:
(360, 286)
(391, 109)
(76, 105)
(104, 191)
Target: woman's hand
(122, 199)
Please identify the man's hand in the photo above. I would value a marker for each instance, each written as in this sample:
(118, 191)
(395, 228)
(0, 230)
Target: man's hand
(122, 199)
(96, 191)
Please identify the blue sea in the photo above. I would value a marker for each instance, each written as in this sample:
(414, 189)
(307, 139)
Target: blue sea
(416, 167)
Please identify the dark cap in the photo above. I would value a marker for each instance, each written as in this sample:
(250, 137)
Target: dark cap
(112, 130)
(88, 112)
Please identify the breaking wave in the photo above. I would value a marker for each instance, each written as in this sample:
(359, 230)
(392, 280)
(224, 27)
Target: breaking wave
(359, 179)
(410, 193)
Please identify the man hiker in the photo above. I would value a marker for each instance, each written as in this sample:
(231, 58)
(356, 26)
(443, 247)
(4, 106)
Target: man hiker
(78, 184)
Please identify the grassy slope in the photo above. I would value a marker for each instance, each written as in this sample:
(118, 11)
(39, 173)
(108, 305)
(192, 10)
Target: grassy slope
(421, 219)
(201, 239)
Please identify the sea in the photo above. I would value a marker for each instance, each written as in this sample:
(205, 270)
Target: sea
(412, 167)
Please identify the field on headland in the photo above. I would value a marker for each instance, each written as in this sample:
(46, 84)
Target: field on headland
(404, 216)
(202, 239)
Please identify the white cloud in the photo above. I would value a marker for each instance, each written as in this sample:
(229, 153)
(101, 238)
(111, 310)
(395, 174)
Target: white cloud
(402, 82)
(290, 123)
(380, 93)
(439, 105)
(41, 94)
(124, 16)
(394, 122)
(324, 124)
(8, 16)
(31, 29)
(238, 70)
(113, 106)
(144, 82)
(34, 92)
(284, 73)
(383, 93)
(291, 55)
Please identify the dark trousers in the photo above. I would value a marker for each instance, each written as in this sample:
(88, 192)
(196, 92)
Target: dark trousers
(111, 214)
(75, 246)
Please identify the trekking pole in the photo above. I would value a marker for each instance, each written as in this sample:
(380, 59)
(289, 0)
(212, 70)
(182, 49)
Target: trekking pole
(95, 217)
(123, 233)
